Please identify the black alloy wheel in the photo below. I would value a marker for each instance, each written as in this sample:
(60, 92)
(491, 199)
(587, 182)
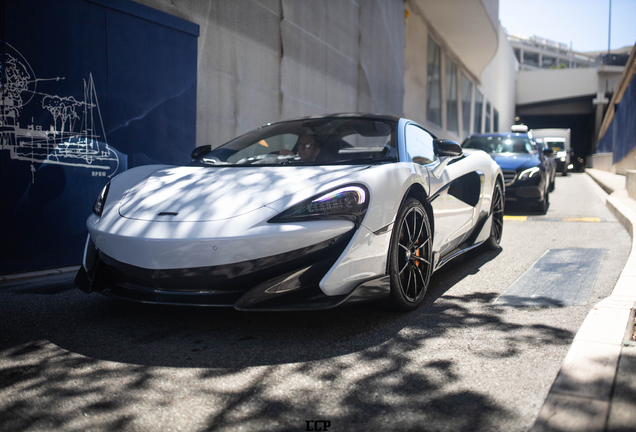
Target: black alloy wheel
(542, 206)
(410, 259)
(497, 214)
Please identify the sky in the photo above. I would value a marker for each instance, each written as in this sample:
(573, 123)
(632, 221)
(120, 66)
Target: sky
(584, 23)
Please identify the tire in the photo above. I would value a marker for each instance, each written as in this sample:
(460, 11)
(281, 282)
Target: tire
(497, 212)
(542, 207)
(564, 173)
(410, 256)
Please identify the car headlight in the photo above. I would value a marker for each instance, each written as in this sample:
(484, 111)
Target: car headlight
(98, 208)
(348, 203)
(529, 173)
(563, 159)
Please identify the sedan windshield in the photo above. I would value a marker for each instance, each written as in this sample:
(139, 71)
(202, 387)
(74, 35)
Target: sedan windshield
(555, 144)
(320, 141)
(500, 144)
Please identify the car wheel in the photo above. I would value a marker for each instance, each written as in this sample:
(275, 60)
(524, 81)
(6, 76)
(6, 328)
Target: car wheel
(564, 172)
(410, 256)
(497, 212)
(542, 207)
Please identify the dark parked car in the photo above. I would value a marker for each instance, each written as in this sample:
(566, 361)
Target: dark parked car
(528, 170)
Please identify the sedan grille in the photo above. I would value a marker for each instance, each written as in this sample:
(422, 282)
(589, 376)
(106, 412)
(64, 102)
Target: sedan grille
(509, 176)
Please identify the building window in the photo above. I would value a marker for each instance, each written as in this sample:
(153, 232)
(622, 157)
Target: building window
(479, 107)
(452, 121)
(434, 84)
(467, 91)
(488, 116)
(495, 120)
(531, 58)
(548, 62)
(518, 54)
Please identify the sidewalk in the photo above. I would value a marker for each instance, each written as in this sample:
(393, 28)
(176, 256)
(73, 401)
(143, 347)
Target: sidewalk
(595, 389)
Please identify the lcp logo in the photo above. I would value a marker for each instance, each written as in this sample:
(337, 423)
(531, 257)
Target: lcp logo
(318, 425)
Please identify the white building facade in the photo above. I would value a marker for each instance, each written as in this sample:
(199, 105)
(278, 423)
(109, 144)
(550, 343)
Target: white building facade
(459, 68)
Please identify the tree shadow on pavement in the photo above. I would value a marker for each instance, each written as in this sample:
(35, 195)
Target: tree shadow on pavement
(78, 362)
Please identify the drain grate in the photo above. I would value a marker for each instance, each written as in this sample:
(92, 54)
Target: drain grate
(561, 277)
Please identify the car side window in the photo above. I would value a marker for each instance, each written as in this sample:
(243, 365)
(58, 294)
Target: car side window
(419, 145)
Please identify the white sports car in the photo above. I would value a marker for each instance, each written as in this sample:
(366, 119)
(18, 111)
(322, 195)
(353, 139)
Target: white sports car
(308, 213)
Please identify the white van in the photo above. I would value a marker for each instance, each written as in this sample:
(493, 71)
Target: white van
(559, 141)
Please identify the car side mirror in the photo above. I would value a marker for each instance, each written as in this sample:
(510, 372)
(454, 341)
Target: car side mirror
(447, 148)
(548, 151)
(200, 151)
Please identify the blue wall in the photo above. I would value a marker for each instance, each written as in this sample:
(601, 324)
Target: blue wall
(620, 137)
(89, 89)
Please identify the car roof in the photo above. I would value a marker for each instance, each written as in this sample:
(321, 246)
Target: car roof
(369, 116)
(499, 134)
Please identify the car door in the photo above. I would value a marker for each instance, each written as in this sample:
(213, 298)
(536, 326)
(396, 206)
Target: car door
(453, 217)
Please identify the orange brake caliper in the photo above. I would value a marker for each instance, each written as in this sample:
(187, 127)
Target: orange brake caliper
(417, 254)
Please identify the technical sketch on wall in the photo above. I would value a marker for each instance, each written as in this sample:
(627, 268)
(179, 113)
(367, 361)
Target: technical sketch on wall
(75, 135)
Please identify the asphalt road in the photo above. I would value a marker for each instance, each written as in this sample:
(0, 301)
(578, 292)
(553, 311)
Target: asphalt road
(70, 361)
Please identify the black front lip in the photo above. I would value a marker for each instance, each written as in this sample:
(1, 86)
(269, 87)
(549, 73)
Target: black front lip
(287, 281)
(528, 193)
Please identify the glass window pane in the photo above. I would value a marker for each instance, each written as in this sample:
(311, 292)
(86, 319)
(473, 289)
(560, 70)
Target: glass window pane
(495, 120)
(487, 125)
(548, 62)
(419, 145)
(434, 84)
(452, 122)
(531, 58)
(479, 106)
(467, 91)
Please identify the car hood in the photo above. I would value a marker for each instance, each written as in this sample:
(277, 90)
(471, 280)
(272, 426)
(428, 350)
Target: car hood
(195, 194)
(516, 161)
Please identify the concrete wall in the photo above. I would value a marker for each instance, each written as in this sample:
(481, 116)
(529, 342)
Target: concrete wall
(416, 39)
(552, 84)
(262, 61)
(609, 77)
(601, 161)
(628, 163)
(630, 183)
(498, 82)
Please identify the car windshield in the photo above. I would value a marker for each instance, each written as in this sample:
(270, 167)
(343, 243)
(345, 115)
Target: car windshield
(320, 141)
(500, 144)
(555, 144)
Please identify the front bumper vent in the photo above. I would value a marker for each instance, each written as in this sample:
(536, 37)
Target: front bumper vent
(509, 176)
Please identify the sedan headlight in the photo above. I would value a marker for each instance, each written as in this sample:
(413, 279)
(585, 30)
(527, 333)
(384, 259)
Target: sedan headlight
(98, 208)
(529, 173)
(348, 202)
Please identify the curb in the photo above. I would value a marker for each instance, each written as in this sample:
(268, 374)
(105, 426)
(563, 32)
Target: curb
(580, 397)
(36, 274)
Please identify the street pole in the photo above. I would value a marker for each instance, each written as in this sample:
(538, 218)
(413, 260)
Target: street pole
(609, 28)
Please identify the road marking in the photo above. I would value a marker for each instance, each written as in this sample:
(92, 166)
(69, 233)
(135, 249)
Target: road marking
(582, 219)
(545, 219)
(515, 218)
